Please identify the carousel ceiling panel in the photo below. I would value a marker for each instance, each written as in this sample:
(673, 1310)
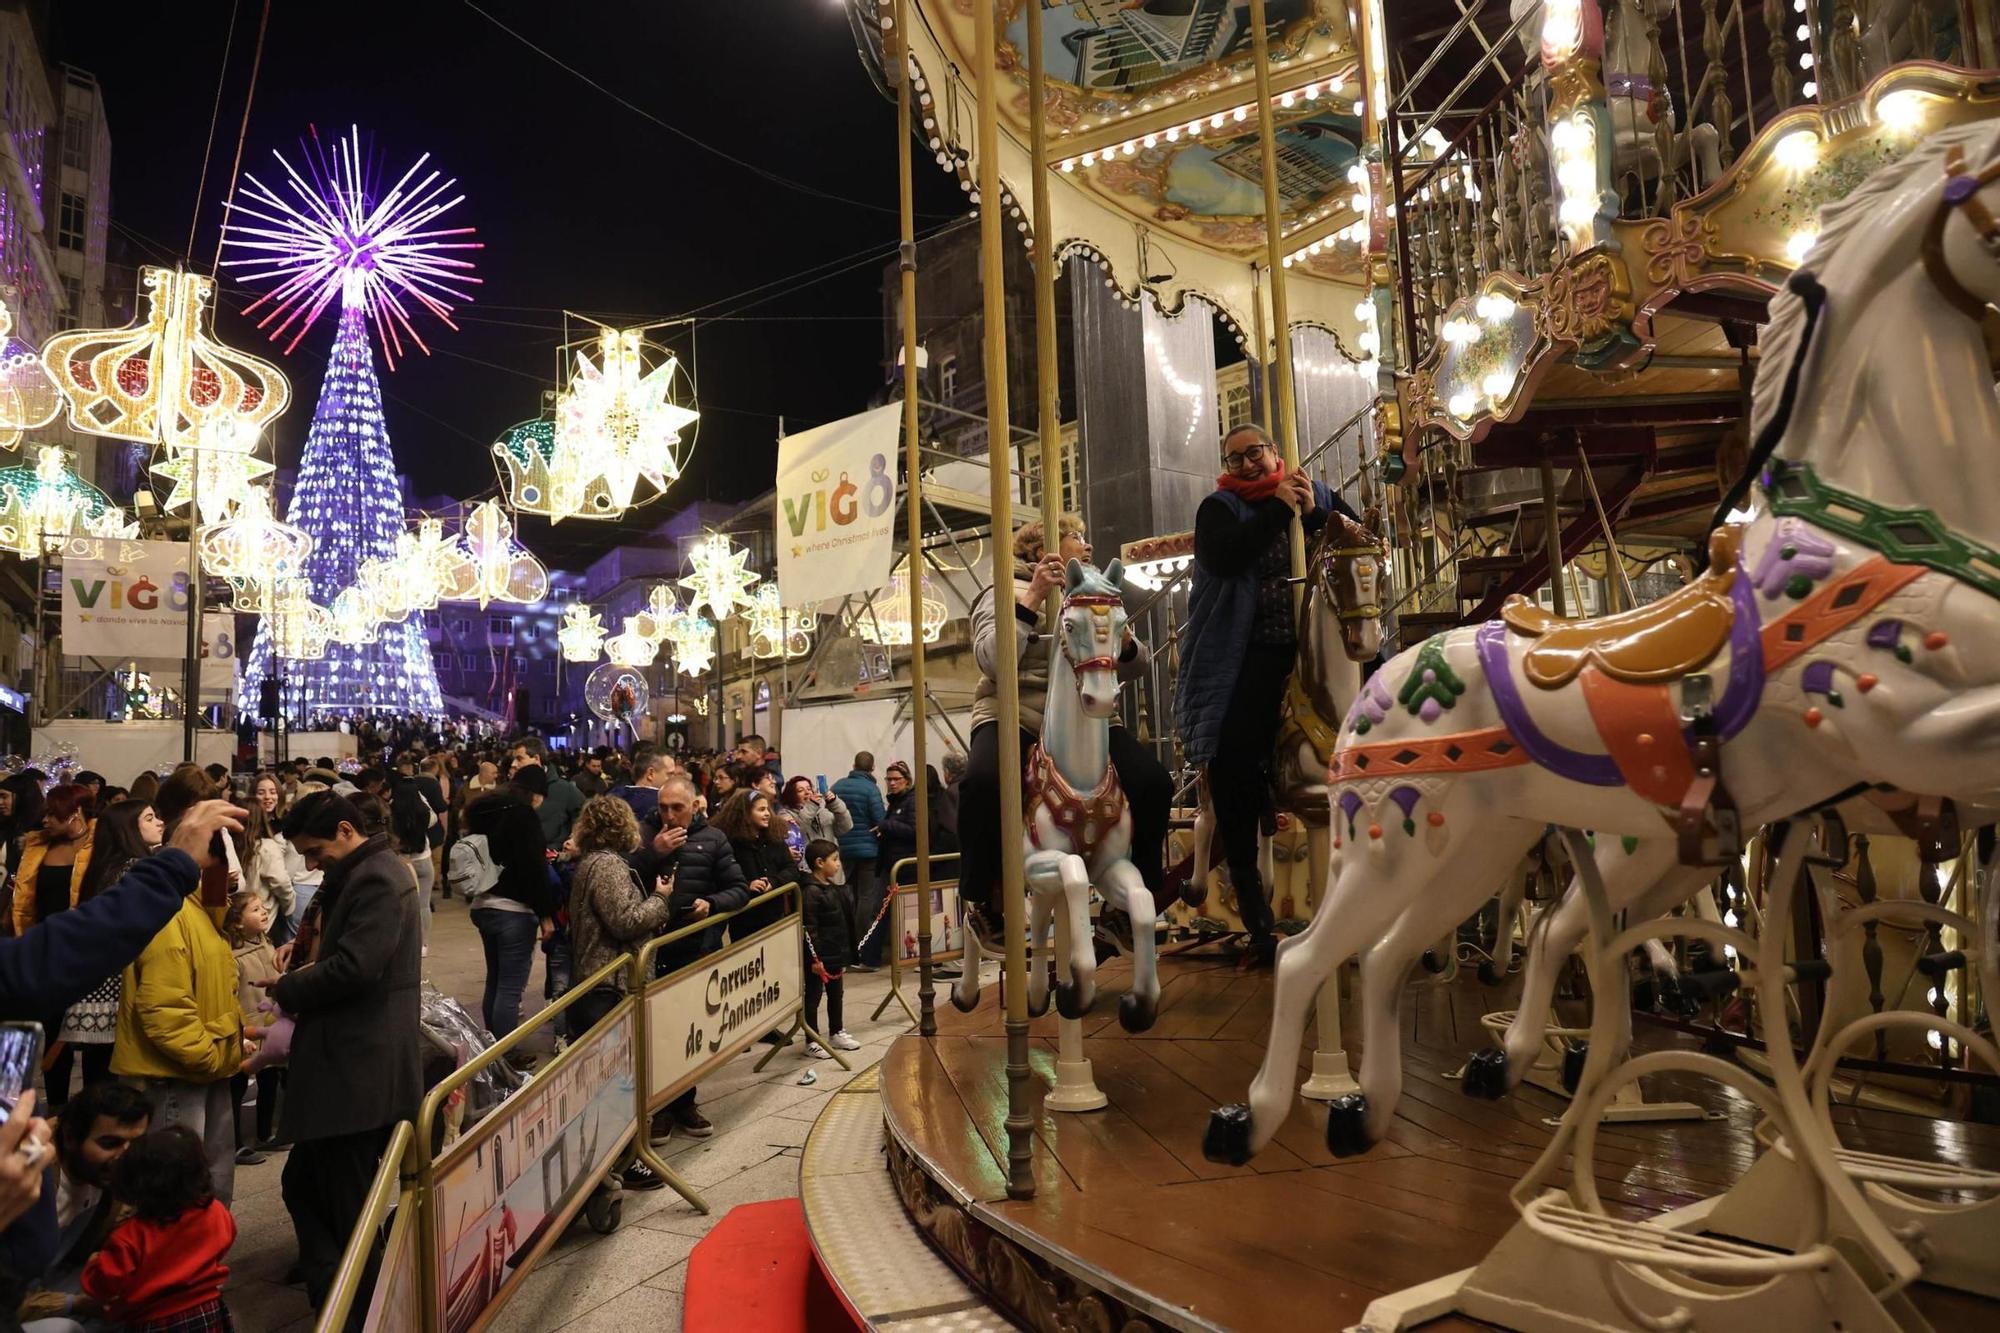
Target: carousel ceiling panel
(1152, 122)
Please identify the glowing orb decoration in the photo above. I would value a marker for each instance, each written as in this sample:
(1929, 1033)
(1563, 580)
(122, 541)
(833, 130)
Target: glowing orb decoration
(354, 620)
(42, 505)
(253, 547)
(494, 568)
(28, 397)
(158, 381)
(720, 581)
(631, 648)
(693, 638)
(776, 631)
(889, 622)
(619, 422)
(615, 693)
(334, 232)
(656, 618)
(581, 634)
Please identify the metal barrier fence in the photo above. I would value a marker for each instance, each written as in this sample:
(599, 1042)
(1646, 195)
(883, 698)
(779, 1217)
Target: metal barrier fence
(473, 1216)
(905, 921)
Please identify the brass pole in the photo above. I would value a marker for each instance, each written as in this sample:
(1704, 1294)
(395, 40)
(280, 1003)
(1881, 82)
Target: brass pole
(913, 486)
(999, 449)
(1552, 536)
(1282, 408)
(1045, 311)
(1261, 340)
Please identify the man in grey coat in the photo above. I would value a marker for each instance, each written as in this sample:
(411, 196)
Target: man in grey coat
(357, 1049)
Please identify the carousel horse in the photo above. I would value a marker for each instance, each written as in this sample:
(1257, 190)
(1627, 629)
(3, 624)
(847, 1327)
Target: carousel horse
(1079, 830)
(1342, 620)
(1844, 638)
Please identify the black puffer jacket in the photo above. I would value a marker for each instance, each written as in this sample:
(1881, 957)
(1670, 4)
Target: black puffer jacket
(830, 925)
(704, 867)
(764, 860)
(514, 838)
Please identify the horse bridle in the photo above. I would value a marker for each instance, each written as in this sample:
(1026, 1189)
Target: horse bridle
(1105, 600)
(1961, 195)
(1371, 611)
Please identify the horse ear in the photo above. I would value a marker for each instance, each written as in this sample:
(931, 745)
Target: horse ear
(1115, 571)
(1074, 573)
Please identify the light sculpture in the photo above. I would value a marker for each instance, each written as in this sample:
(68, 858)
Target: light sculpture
(253, 548)
(720, 581)
(497, 568)
(693, 638)
(28, 397)
(776, 630)
(631, 648)
(215, 470)
(581, 634)
(617, 424)
(355, 621)
(888, 622)
(656, 618)
(303, 628)
(42, 505)
(315, 236)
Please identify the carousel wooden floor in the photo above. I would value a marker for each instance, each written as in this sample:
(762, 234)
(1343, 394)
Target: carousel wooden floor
(1126, 1191)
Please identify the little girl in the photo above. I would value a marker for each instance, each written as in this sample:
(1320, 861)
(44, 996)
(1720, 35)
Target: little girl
(247, 924)
(162, 1268)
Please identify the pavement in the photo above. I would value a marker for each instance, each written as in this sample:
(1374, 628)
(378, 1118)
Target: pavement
(635, 1277)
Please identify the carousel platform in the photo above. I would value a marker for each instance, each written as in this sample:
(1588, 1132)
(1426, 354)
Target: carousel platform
(1132, 1227)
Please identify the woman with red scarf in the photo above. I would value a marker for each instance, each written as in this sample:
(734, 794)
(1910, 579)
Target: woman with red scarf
(1239, 646)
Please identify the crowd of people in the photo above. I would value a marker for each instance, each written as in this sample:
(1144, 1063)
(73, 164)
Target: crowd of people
(205, 949)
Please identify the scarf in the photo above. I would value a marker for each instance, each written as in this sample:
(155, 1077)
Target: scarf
(305, 948)
(1263, 488)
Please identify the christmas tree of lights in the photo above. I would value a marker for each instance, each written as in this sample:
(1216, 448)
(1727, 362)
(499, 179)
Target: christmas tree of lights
(330, 235)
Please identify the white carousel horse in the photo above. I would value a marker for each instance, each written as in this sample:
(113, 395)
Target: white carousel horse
(1079, 830)
(1871, 572)
(1342, 622)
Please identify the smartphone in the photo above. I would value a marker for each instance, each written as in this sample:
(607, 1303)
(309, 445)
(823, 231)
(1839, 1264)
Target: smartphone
(822, 784)
(20, 1058)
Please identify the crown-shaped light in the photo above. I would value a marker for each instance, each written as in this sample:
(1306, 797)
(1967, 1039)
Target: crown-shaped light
(631, 648)
(252, 546)
(776, 631)
(28, 397)
(581, 634)
(43, 505)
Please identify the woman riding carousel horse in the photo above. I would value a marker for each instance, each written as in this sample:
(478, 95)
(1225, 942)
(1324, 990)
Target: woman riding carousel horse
(1240, 645)
(1148, 788)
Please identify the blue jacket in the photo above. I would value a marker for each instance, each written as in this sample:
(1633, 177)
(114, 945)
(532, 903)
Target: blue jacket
(57, 962)
(1230, 533)
(865, 804)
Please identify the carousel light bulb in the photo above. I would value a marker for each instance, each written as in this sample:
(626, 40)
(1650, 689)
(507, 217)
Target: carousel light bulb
(1496, 385)
(1463, 404)
(720, 581)
(1902, 110)
(581, 633)
(1562, 28)
(1809, 88)
(1804, 33)
(1799, 244)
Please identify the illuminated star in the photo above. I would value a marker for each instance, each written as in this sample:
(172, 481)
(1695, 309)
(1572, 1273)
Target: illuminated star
(720, 581)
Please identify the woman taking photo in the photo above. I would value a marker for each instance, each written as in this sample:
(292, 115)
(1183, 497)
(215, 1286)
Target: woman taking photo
(609, 910)
(818, 814)
(124, 833)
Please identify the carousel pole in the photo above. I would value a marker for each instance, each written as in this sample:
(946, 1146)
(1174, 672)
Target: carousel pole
(1020, 1116)
(1076, 1088)
(913, 487)
(1282, 407)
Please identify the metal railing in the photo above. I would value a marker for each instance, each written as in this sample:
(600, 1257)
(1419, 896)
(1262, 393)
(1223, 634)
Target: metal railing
(386, 1190)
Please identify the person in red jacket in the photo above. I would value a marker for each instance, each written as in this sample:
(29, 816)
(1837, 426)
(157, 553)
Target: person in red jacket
(161, 1270)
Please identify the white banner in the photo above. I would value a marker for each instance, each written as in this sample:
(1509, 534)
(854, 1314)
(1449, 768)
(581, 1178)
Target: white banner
(218, 657)
(130, 602)
(836, 507)
(702, 1016)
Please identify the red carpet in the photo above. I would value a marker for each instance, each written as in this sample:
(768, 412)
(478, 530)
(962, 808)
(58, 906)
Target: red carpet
(756, 1273)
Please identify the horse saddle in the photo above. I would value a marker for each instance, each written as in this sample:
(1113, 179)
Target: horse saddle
(1660, 641)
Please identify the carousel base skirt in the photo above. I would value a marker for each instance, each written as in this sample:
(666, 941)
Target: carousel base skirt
(1131, 1226)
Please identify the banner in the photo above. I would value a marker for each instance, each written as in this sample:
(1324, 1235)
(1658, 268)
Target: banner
(218, 657)
(129, 602)
(702, 1015)
(836, 509)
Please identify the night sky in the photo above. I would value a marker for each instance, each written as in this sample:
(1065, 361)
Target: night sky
(582, 204)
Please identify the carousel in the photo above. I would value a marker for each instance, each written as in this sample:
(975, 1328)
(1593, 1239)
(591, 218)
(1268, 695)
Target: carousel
(1636, 748)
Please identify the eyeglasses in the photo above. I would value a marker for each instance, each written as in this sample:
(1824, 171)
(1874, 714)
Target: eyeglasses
(1250, 455)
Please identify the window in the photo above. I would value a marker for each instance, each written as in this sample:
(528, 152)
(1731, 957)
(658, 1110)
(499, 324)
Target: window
(529, 633)
(500, 627)
(76, 141)
(947, 379)
(461, 628)
(70, 220)
(73, 289)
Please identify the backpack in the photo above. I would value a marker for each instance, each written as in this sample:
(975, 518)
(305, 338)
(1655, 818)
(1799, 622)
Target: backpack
(470, 868)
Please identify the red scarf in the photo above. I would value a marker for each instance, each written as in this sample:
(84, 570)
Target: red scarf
(1263, 488)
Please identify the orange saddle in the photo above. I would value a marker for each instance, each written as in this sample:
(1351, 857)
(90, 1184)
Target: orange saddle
(1661, 641)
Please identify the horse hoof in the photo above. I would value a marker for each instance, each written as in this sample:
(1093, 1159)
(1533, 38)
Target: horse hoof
(1347, 1125)
(1489, 975)
(1069, 1000)
(1194, 893)
(961, 1003)
(1645, 995)
(1486, 1074)
(1573, 1059)
(1136, 1013)
(1433, 961)
(1227, 1141)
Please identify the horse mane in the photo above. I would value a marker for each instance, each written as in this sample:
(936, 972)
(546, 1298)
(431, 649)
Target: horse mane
(1854, 211)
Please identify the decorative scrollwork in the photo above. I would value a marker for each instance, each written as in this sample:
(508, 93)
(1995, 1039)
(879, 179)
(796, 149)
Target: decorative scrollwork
(1677, 248)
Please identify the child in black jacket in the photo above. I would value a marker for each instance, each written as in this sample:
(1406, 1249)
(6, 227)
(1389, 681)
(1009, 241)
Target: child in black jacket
(830, 943)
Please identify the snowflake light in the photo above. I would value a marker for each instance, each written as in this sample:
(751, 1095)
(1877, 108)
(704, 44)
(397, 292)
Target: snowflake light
(694, 644)
(42, 505)
(253, 547)
(720, 580)
(497, 568)
(581, 634)
(631, 648)
(776, 631)
(889, 622)
(28, 397)
(333, 232)
(616, 424)
(157, 381)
